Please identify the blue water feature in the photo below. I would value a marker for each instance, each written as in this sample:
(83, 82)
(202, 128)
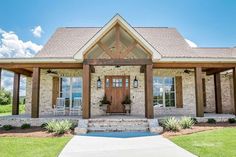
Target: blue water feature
(119, 134)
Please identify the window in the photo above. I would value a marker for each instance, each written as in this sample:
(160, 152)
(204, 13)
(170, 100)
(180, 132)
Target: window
(116, 82)
(70, 88)
(164, 91)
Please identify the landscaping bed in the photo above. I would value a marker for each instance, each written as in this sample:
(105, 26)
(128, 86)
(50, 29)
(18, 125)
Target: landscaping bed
(197, 128)
(30, 132)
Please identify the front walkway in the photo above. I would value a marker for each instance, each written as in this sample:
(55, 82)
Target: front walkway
(148, 146)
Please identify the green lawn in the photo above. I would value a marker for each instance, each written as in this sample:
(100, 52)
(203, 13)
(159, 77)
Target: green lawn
(6, 109)
(32, 147)
(216, 143)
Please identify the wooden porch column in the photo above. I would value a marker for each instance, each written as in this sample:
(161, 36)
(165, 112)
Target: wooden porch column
(149, 113)
(35, 93)
(234, 83)
(16, 90)
(86, 91)
(218, 99)
(199, 92)
(0, 78)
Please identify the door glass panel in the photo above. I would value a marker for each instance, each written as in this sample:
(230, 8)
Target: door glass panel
(76, 89)
(126, 82)
(113, 82)
(107, 83)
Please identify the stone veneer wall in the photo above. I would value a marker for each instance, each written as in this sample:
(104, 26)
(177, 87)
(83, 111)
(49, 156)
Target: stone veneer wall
(189, 100)
(137, 95)
(226, 93)
(45, 102)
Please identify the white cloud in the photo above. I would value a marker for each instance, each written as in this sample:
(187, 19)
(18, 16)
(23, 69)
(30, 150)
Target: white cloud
(37, 31)
(190, 43)
(12, 46)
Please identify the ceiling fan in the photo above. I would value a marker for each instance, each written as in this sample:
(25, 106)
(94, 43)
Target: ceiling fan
(52, 73)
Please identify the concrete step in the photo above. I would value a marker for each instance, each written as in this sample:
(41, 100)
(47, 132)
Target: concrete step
(109, 125)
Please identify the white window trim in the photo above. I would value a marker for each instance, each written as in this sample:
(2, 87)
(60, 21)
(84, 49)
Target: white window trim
(70, 92)
(163, 86)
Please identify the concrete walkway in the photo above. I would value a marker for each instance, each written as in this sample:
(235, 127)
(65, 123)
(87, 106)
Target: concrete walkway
(149, 146)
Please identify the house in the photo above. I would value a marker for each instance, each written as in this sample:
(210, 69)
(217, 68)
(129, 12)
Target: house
(154, 66)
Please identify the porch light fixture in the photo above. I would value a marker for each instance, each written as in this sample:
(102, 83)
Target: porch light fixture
(135, 83)
(99, 83)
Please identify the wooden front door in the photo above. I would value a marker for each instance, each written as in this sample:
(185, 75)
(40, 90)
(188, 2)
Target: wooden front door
(116, 89)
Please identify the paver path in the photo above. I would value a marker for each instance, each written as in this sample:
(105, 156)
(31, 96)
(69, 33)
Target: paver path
(148, 146)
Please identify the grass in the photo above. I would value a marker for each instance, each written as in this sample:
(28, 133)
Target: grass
(28, 147)
(215, 143)
(6, 109)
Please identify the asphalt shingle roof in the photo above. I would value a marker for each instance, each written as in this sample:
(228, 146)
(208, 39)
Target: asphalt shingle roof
(66, 42)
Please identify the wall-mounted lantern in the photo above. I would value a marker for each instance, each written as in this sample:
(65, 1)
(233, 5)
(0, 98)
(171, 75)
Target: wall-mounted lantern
(135, 83)
(99, 83)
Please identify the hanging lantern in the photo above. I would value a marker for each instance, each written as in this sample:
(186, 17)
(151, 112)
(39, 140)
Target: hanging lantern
(135, 83)
(99, 83)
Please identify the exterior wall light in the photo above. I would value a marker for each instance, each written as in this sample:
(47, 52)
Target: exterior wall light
(135, 83)
(99, 83)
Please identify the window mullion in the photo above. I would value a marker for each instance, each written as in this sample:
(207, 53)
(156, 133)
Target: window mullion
(164, 91)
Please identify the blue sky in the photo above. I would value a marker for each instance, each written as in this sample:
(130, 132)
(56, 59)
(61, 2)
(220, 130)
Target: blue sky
(208, 23)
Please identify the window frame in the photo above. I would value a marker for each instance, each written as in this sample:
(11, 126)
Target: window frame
(71, 87)
(163, 85)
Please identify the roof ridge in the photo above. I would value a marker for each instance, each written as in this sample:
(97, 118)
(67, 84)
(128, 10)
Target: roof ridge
(212, 47)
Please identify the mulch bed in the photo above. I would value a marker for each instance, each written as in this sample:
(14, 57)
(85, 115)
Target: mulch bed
(197, 128)
(31, 132)
(40, 132)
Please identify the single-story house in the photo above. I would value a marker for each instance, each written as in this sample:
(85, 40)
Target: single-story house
(152, 66)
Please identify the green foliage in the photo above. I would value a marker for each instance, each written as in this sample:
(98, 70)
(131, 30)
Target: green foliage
(59, 127)
(6, 109)
(5, 97)
(194, 120)
(7, 127)
(127, 100)
(25, 126)
(171, 124)
(43, 125)
(232, 120)
(211, 121)
(104, 101)
(186, 122)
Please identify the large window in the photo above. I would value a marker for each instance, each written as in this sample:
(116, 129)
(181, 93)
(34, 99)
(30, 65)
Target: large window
(70, 88)
(164, 91)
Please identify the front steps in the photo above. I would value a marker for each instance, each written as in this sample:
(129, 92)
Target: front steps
(118, 125)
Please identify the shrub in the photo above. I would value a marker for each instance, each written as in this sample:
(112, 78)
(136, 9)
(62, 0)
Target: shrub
(43, 125)
(211, 121)
(59, 127)
(171, 124)
(186, 122)
(194, 120)
(232, 120)
(5, 97)
(7, 127)
(25, 126)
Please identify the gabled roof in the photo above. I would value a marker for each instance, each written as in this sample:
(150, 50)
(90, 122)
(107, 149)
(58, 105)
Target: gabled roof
(162, 42)
(117, 20)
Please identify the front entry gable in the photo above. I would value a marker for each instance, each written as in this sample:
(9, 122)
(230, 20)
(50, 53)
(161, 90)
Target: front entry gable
(117, 40)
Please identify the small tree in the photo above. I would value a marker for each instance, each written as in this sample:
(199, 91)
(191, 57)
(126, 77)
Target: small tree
(5, 97)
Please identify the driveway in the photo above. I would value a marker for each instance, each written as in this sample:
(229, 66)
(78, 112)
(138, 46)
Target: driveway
(149, 146)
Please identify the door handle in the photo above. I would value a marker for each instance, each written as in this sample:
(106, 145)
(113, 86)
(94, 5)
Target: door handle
(111, 98)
